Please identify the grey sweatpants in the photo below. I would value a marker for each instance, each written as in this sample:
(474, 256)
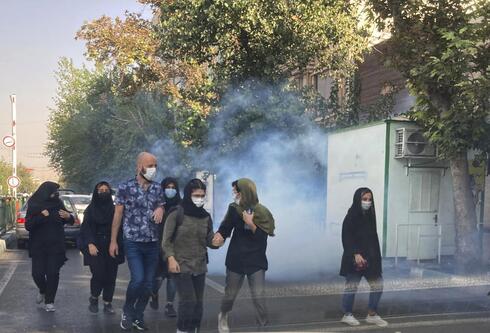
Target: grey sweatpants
(256, 282)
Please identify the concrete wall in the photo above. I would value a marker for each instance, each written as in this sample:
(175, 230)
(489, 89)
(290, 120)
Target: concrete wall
(486, 223)
(398, 198)
(355, 159)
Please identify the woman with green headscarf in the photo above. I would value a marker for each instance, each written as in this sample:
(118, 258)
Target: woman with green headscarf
(251, 224)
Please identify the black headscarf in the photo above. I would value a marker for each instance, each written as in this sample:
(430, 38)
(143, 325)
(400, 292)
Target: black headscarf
(102, 210)
(356, 211)
(189, 208)
(359, 236)
(41, 199)
(171, 202)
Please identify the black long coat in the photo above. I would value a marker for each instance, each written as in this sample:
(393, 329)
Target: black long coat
(96, 229)
(99, 235)
(359, 236)
(46, 233)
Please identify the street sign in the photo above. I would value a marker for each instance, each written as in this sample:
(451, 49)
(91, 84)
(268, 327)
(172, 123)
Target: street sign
(13, 181)
(8, 141)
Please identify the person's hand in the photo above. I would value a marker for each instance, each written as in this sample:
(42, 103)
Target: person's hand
(360, 261)
(113, 249)
(173, 265)
(158, 215)
(92, 249)
(64, 214)
(45, 212)
(248, 218)
(218, 240)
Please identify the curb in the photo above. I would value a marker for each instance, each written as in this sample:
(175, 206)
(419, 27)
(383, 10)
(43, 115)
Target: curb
(7, 241)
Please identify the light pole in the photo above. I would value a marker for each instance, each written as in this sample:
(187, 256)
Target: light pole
(13, 101)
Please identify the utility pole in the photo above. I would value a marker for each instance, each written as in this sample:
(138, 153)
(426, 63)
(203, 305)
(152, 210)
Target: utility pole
(13, 100)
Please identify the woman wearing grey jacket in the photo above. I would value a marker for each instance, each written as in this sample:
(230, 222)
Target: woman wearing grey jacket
(187, 234)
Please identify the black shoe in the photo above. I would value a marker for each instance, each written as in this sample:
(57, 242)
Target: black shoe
(139, 325)
(125, 322)
(94, 304)
(170, 311)
(154, 302)
(108, 309)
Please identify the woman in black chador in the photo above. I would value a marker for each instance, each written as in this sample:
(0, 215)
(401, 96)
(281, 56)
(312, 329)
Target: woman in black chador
(45, 220)
(95, 237)
(362, 257)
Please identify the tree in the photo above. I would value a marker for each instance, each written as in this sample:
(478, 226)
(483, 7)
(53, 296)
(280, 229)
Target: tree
(172, 82)
(128, 49)
(96, 134)
(27, 183)
(442, 48)
(263, 40)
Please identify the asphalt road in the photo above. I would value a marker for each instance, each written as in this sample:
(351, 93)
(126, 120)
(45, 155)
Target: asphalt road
(410, 305)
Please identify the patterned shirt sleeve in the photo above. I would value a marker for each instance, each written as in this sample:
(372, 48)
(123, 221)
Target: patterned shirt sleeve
(121, 195)
(160, 197)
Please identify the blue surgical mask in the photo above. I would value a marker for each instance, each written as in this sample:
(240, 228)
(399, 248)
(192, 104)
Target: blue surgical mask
(170, 192)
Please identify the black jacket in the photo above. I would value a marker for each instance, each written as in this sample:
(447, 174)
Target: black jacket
(96, 229)
(247, 250)
(47, 233)
(99, 235)
(359, 236)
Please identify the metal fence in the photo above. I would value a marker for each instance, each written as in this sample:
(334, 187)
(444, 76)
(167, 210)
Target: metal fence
(7, 214)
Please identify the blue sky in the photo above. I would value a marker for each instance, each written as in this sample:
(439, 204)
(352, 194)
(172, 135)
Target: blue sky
(34, 34)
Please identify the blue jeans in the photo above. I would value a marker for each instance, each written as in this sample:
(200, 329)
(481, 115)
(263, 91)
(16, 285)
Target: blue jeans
(352, 282)
(171, 288)
(142, 262)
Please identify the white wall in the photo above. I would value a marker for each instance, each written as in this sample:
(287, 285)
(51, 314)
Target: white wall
(356, 158)
(398, 200)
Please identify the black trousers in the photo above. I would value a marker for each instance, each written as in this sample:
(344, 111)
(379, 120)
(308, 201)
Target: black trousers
(46, 274)
(104, 274)
(190, 289)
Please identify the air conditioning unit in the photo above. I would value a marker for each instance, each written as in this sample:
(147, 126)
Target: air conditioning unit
(411, 143)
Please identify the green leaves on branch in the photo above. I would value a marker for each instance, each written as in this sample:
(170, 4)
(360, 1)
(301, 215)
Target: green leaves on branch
(262, 40)
(443, 49)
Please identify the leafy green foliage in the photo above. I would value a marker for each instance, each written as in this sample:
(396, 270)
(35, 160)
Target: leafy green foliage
(442, 48)
(263, 40)
(27, 183)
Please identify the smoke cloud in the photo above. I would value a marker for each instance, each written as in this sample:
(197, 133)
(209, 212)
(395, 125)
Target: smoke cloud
(285, 154)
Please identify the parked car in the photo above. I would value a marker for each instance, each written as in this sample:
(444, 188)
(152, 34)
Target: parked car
(74, 203)
(79, 201)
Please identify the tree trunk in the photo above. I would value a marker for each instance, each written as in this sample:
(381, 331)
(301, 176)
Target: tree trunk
(468, 249)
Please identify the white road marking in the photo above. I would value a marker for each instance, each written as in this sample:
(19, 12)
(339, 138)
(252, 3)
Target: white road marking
(316, 326)
(215, 285)
(6, 278)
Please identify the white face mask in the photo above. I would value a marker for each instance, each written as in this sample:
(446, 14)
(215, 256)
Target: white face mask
(199, 202)
(366, 204)
(149, 174)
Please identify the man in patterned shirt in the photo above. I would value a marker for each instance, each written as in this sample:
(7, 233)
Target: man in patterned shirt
(139, 207)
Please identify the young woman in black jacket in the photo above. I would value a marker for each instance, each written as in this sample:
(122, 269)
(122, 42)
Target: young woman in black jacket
(249, 224)
(95, 237)
(362, 257)
(171, 193)
(45, 219)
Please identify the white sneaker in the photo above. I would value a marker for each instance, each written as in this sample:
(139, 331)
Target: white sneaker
(50, 307)
(223, 323)
(349, 319)
(376, 320)
(40, 298)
